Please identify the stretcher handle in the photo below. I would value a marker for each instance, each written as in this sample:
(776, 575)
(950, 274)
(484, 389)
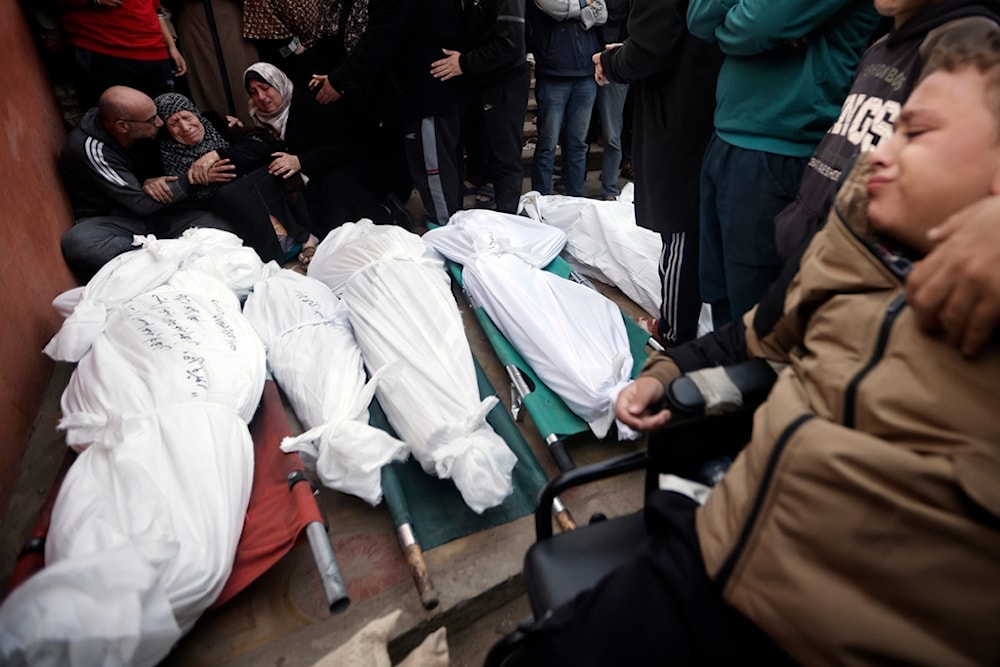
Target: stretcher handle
(337, 599)
(557, 448)
(418, 567)
(562, 515)
(582, 475)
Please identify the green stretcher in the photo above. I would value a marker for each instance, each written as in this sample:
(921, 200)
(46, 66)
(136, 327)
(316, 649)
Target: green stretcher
(428, 512)
(554, 420)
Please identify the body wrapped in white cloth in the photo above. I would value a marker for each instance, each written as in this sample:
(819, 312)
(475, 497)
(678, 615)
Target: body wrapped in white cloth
(146, 523)
(410, 332)
(604, 242)
(312, 353)
(573, 337)
(474, 232)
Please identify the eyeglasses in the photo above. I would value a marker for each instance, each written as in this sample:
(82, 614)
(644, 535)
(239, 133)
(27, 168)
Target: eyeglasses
(149, 121)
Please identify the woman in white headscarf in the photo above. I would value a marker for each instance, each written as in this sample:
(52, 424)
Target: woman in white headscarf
(314, 140)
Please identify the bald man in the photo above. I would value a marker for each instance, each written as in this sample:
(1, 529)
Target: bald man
(103, 165)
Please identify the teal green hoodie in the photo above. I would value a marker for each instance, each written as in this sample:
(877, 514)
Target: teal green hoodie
(788, 66)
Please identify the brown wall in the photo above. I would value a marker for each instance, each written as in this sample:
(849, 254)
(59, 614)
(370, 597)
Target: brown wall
(34, 212)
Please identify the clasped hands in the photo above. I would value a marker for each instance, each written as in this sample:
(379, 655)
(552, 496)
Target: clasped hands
(599, 68)
(209, 169)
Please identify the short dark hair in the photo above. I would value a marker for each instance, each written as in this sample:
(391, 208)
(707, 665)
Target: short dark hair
(975, 44)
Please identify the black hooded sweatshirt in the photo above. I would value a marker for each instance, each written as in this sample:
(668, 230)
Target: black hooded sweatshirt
(887, 74)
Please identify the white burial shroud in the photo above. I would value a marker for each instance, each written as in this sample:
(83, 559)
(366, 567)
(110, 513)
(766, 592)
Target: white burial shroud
(154, 262)
(410, 332)
(572, 336)
(145, 526)
(604, 242)
(312, 353)
(473, 232)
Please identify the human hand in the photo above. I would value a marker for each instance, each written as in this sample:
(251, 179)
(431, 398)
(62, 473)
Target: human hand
(221, 171)
(179, 65)
(285, 165)
(158, 189)
(956, 287)
(198, 171)
(233, 121)
(613, 46)
(326, 93)
(448, 67)
(635, 401)
(599, 70)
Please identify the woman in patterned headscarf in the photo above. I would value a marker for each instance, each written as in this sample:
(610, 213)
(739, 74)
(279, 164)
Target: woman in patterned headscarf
(188, 136)
(233, 181)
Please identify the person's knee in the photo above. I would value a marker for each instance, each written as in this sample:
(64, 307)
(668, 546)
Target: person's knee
(73, 252)
(85, 254)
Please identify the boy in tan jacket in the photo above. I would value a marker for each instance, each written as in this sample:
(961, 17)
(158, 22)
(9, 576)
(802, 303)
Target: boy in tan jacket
(861, 523)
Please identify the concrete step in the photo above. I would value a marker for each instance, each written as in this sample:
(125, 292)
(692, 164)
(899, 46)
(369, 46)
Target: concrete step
(530, 129)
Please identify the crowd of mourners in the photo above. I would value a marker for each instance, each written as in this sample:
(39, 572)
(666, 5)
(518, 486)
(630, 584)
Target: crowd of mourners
(764, 155)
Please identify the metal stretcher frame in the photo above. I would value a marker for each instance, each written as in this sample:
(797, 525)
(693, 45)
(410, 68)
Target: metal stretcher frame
(554, 420)
(257, 550)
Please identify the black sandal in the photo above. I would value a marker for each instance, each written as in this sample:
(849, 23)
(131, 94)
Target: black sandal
(486, 197)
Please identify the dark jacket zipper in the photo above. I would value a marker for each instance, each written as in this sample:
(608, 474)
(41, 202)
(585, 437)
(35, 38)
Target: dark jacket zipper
(727, 567)
(851, 394)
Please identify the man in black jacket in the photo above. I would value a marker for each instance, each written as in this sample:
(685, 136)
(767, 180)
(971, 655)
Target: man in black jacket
(497, 66)
(394, 56)
(672, 74)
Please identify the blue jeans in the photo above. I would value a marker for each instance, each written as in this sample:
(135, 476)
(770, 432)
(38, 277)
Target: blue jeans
(610, 104)
(559, 98)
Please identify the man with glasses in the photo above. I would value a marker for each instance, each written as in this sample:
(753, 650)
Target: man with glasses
(103, 165)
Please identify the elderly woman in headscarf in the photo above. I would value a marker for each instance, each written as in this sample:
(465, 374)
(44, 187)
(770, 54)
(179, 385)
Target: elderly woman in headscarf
(318, 141)
(233, 181)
